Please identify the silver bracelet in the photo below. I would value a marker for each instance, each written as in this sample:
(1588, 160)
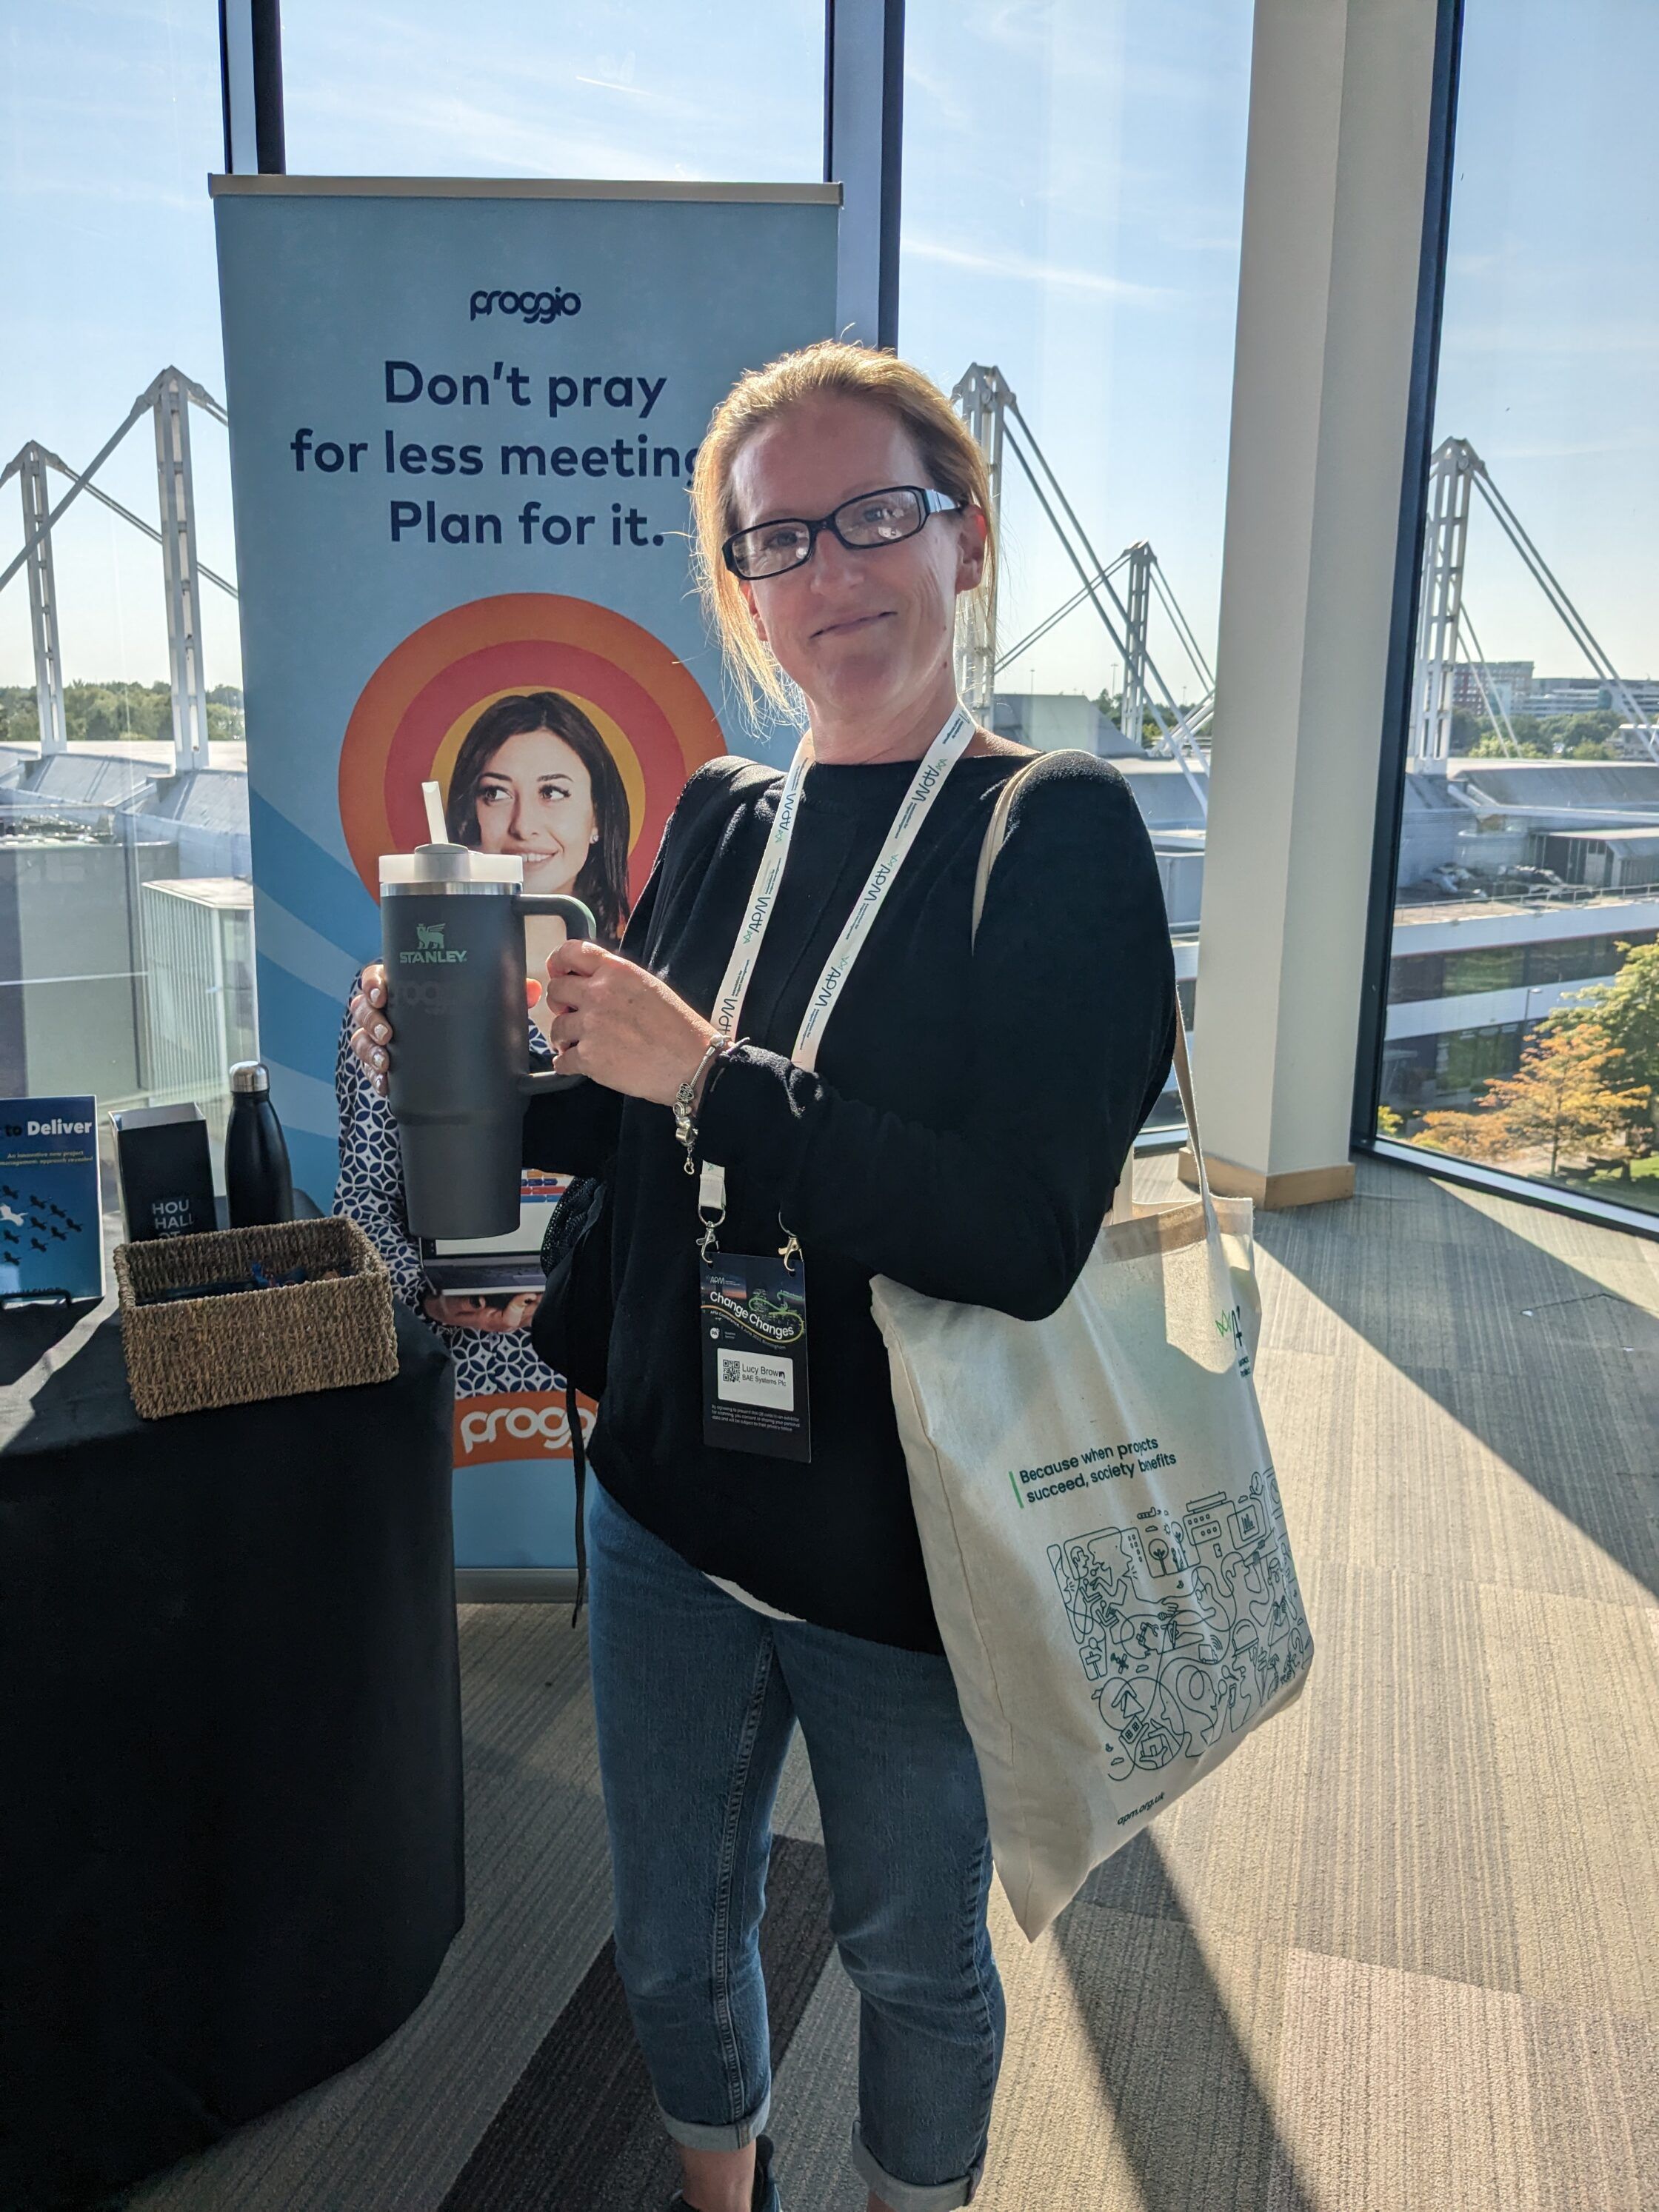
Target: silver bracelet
(685, 1100)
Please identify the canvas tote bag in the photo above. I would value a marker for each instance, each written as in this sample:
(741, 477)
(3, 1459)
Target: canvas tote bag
(1101, 1524)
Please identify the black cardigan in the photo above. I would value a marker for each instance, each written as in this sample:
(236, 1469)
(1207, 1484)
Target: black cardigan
(968, 1120)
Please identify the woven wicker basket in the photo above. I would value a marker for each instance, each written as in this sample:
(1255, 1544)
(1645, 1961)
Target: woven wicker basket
(190, 1353)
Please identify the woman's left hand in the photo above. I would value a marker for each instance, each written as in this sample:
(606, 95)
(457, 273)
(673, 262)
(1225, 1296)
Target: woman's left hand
(621, 1025)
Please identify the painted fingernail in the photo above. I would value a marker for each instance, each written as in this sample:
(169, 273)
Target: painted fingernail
(381, 1032)
(378, 1059)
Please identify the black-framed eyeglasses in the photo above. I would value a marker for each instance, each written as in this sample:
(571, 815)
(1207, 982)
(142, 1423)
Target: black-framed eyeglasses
(874, 518)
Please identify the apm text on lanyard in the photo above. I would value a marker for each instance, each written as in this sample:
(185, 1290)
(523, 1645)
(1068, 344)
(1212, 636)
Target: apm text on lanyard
(936, 763)
(751, 1307)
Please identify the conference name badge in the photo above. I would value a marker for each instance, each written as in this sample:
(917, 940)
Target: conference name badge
(752, 1314)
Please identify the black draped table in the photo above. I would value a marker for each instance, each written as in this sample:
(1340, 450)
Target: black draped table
(230, 1770)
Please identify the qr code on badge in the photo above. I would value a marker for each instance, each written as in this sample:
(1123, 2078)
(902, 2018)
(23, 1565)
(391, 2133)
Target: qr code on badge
(730, 1370)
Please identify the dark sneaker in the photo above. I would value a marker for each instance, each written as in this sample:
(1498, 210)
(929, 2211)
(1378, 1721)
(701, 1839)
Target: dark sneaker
(765, 2198)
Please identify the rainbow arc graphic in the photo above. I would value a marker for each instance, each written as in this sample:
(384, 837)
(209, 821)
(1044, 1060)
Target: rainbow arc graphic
(416, 710)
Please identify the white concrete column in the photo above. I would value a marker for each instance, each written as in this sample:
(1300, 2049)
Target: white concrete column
(1333, 205)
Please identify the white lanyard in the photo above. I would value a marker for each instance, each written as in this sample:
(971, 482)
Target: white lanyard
(936, 764)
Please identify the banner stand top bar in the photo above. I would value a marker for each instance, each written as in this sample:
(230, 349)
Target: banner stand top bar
(516, 188)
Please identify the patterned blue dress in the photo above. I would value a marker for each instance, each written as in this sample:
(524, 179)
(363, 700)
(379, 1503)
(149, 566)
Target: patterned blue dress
(370, 1192)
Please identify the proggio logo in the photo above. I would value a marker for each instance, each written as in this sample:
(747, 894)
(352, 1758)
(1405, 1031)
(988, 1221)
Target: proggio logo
(516, 1425)
(528, 306)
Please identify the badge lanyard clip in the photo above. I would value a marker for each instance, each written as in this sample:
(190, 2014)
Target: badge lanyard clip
(711, 1206)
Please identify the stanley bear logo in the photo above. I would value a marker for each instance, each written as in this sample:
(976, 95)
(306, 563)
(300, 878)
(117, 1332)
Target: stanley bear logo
(430, 951)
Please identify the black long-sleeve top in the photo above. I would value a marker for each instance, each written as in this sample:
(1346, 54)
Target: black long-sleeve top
(967, 1121)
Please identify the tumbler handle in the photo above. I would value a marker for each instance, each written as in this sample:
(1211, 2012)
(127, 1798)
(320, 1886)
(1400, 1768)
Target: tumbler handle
(578, 921)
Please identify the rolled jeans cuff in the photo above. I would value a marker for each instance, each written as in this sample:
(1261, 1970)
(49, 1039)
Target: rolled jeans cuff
(910, 2196)
(733, 2136)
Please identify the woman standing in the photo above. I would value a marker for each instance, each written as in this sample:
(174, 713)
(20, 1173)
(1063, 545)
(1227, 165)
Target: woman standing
(798, 1004)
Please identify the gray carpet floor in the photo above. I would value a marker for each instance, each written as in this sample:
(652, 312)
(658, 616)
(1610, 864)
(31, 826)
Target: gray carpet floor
(1402, 1952)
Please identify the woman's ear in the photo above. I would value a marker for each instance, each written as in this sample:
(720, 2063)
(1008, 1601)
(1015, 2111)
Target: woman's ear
(973, 534)
(748, 591)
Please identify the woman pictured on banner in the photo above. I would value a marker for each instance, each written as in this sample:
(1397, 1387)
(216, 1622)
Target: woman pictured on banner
(801, 1013)
(533, 777)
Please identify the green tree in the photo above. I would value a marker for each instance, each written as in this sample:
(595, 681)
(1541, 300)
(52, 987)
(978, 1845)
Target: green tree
(19, 718)
(1626, 1011)
(1530, 742)
(102, 713)
(94, 714)
(1467, 727)
(1567, 1094)
(1586, 737)
(1531, 735)
(1598, 722)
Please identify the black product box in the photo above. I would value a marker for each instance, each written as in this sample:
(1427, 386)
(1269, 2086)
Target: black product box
(166, 1176)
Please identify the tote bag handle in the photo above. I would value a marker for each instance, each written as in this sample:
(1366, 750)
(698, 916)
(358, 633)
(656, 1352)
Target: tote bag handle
(1121, 1210)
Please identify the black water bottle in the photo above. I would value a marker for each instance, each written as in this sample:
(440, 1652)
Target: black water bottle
(258, 1185)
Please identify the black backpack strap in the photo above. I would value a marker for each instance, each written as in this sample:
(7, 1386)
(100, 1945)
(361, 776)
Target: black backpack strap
(708, 798)
(579, 1468)
(711, 798)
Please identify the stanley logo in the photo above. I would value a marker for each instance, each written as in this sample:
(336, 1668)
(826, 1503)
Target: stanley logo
(431, 950)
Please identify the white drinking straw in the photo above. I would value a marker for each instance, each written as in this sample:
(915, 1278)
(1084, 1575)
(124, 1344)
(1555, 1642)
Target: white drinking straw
(436, 827)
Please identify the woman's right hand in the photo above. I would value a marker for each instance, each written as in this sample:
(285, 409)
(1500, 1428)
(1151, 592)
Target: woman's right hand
(371, 1032)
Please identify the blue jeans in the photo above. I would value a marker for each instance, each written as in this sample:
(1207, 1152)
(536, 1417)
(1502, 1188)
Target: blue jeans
(697, 1697)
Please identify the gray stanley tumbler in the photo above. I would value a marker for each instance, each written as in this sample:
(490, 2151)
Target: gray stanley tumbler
(452, 924)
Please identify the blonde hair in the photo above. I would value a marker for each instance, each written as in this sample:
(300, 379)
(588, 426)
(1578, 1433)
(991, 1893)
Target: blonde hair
(950, 461)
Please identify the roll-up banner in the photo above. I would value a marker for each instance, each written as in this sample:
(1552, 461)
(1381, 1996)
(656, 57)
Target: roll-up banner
(463, 419)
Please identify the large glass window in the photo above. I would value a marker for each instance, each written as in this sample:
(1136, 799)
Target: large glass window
(1073, 196)
(520, 87)
(125, 916)
(125, 908)
(1521, 1029)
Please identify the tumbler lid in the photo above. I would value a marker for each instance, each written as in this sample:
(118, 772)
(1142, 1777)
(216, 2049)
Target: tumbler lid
(433, 867)
(250, 1076)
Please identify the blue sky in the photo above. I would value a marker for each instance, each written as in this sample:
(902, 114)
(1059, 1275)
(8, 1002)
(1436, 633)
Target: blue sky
(1550, 347)
(1073, 182)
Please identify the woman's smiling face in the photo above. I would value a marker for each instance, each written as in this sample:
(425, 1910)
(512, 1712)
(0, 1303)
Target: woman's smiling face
(861, 632)
(536, 800)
